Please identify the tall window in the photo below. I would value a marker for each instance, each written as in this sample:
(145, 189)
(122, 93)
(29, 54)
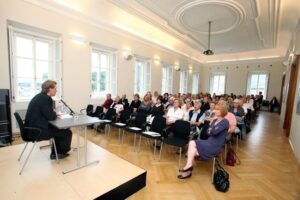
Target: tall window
(34, 57)
(183, 82)
(142, 76)
(195, 88)
(103, 75)
(167, 80)
(257, 82)
(217, 83)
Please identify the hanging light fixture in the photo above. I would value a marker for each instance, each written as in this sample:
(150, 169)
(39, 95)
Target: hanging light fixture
(208, 51)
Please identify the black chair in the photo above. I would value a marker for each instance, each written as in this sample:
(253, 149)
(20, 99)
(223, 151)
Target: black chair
(155, 131)
(88, 110)
(108, 118)
(123, 121)
(98, 112)
(139, 126)
(30, 134)
(181, 131)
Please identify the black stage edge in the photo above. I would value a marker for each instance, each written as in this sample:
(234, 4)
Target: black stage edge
(126, 189)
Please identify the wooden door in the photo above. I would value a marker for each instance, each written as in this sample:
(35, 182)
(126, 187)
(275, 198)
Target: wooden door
(281, 94)
(291, 95)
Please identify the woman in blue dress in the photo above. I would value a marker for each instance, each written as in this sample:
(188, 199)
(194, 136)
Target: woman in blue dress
(207, 149)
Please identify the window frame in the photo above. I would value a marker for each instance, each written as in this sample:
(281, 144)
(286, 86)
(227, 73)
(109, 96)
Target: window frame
(183, 82)
(212, 75)
(250, 74)
(112, 70)
(54, 62)
(193, 84)
(146, 84)
(167, 86)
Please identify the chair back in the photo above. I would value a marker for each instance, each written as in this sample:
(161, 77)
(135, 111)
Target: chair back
(89, 109)
(21, 126)
(98, 111)
(125, 116)
(140, 119)
(110, 114)
(181, 129)
(158, 124)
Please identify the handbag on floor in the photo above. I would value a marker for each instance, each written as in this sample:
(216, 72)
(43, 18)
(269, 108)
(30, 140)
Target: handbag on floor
(221, 178)
(231, 158)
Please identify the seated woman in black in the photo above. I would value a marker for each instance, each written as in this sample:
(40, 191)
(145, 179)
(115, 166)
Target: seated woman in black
(145, 105)
(158, 108)
(135, 103)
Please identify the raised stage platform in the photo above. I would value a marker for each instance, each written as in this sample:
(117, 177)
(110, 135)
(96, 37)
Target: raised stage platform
(112, 178)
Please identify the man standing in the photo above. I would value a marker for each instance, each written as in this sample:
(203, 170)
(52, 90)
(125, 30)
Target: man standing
(40, 111)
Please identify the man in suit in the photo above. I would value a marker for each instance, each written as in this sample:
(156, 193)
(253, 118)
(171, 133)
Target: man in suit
(40, 111)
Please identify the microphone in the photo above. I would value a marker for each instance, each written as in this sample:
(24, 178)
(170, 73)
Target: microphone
(72, 112)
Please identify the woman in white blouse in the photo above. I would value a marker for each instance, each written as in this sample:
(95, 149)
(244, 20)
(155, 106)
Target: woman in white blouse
(174, 113)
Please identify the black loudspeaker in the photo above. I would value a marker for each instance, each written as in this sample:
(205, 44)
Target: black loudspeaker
(5, 117)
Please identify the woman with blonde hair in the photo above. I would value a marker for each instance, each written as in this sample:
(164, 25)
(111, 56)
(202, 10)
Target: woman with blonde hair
(207, 149)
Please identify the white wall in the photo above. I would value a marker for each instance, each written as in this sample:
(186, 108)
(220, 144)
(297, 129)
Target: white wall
(237, 75)
(76, 58)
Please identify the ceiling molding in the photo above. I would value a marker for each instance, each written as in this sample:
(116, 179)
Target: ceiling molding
(164, 26)
(234, 7)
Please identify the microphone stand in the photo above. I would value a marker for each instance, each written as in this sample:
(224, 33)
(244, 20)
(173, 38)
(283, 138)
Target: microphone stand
(72, 112)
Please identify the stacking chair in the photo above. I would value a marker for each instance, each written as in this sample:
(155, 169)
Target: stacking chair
(139, 126)
(88, 110)
(181, 131)
(155, 131)
(123, 121)
(108, 118)
(98, 112)
(30, 134)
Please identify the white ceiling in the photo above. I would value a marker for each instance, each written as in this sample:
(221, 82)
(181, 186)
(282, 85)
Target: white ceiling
(241, 29)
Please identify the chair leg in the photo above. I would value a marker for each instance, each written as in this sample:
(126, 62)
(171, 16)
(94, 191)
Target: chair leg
(179, 161)
(225, 153)
(213, 170)
(23, 151)
(119, 134)
(237, 143)
(134, 142)
(161, 146)
(123, 135)
(154, 149)
(54, 145)
(140, 143)
(27, 158)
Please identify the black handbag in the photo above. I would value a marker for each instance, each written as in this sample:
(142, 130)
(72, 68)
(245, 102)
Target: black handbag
(221, 178)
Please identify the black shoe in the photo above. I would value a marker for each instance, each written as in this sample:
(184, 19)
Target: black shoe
(186, 170)
(184, 177)
(60, 156)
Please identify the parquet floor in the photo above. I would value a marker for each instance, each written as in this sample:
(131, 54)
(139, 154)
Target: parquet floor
(268, 171)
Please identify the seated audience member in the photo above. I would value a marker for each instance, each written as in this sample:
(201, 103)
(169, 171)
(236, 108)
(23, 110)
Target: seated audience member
(165, 98)
(158, 108)
(124, 101)
(273, 104)
(205, 104)
(229, 103)
(194, 115)
(207, 149)
(117, 104)
(238, 111)
(135, 103)
(154, 97)
(107, 103)
(207, 117)
(170, 103)
(186, 108)
(40, 111)
(145, 105)
(174, 113)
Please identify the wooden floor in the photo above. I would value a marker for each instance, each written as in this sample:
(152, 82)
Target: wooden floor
(269, 169)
